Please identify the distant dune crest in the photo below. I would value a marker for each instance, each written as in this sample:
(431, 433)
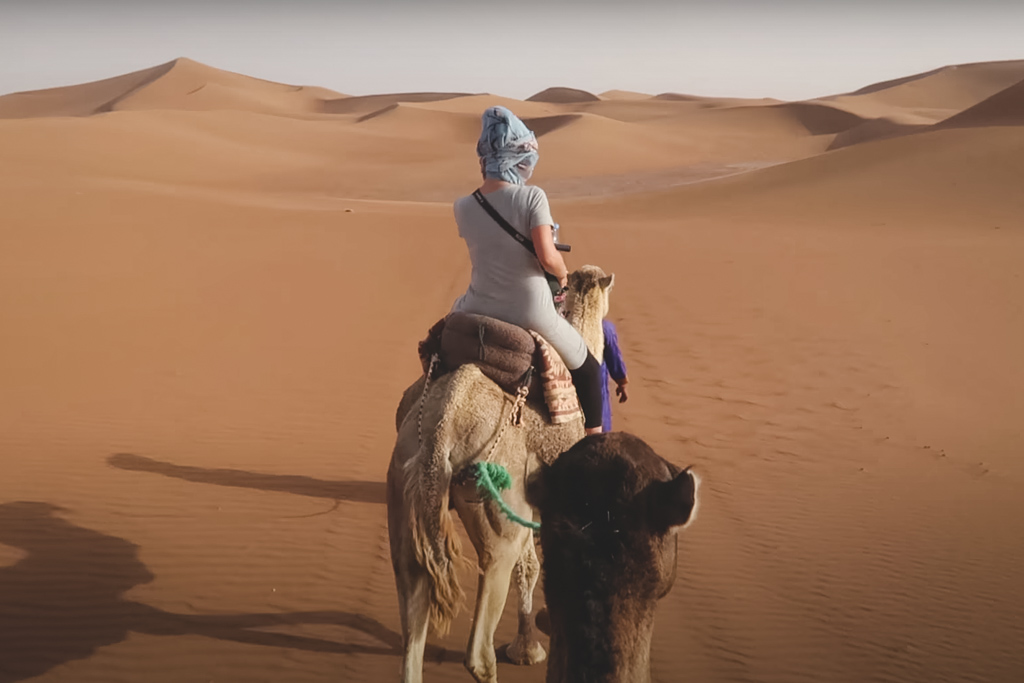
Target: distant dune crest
(950, 88)
(366, 104)
(186, 122)
(182, 84)
(623, 95)
(563, 96)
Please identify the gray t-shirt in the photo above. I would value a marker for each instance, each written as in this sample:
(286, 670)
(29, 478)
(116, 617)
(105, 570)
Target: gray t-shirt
(508, 282)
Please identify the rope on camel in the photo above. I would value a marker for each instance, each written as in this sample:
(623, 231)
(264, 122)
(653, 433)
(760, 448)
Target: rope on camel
(491, 480)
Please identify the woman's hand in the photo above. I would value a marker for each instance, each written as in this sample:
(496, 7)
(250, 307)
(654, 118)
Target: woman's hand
(621, 391)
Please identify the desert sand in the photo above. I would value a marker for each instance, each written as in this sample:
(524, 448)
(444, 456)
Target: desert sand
(212, 287)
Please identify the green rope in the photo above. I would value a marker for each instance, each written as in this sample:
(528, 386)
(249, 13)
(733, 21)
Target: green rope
(492, 479)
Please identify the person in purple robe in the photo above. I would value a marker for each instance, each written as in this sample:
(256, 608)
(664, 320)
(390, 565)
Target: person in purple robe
(614, 367)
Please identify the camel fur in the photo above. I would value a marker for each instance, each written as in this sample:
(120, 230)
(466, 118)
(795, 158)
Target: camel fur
(441, 433)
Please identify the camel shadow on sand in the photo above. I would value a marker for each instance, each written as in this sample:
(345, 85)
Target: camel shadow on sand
(353, 491)
(64, 598)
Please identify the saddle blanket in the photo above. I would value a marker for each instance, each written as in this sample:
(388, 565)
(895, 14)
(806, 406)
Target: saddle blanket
(504, 353)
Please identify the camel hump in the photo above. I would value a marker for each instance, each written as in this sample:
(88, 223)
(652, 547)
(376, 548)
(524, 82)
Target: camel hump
(503, 351)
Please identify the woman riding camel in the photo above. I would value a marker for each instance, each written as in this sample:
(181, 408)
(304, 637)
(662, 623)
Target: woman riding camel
(508, 281)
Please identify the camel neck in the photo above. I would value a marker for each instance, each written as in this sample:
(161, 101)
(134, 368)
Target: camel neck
(587, 319)
(627, 665)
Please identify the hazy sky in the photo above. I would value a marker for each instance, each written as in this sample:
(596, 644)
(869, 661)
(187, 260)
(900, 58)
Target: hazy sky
(789, 49)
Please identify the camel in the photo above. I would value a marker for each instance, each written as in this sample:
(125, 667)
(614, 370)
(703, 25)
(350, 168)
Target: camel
(611, 509)
(463, 418)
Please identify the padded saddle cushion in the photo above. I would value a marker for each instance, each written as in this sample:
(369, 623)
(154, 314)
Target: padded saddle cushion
(502, 351)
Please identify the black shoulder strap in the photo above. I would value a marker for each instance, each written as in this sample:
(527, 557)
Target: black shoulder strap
(518, 236)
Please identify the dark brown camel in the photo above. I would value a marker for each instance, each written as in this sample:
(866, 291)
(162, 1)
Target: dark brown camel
(610, 509)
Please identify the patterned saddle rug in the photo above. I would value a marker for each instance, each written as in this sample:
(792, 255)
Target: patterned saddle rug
(505, 353)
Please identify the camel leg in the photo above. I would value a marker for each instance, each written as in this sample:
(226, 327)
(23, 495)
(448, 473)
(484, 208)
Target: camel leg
(526, 649)
(414, 603)
(412, 582)
(492, 591)
(498, 545)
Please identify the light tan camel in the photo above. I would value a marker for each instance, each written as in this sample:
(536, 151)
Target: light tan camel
(612, 509)
(456, 423)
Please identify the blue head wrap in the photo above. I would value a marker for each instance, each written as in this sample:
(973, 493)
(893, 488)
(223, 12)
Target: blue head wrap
(507, 148)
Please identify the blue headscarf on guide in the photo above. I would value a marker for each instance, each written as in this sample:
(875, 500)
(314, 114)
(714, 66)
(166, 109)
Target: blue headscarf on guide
(507, 148)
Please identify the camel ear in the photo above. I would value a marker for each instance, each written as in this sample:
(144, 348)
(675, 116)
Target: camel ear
(607, 281)
(673, 504)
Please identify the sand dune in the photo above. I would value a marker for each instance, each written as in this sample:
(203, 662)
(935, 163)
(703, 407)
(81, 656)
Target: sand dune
(708, 102)
(165, 146)
(182, 84)
(773, 133)
(870, 109)
(212, 294)
(820, 119)
(352, 151)
(1005, 108)
(678, 97)
(949, 82)
(78, 100)
(417, 121)
(476, 104)
(876, 129)
(623, 95)
(965, 178)
(574, 145)
(563, 96)
(190, 85)
(651, 109)
(793, 120)
(249, 152)
(675, 133)
(366, 104)
(542, 125)
(936, 94)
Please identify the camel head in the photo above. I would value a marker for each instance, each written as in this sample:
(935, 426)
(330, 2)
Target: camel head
(586, 304)
(611, 509)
